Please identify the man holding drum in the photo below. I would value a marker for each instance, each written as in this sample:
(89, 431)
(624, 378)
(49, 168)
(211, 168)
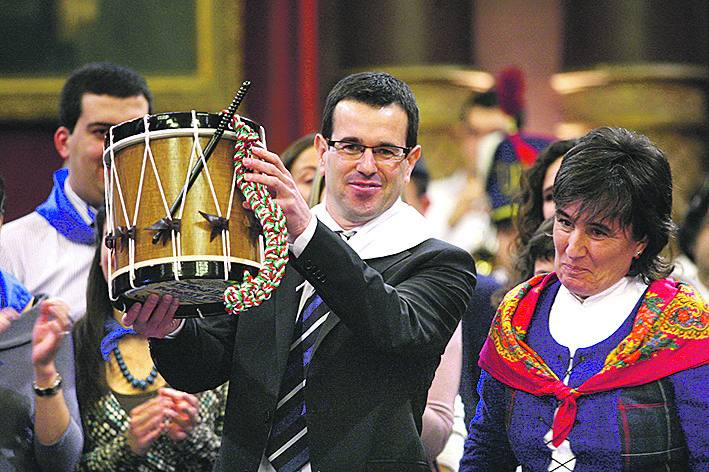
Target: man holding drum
(50, 250)
(332, 372)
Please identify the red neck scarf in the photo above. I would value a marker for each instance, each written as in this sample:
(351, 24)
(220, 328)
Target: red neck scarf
(670, 334)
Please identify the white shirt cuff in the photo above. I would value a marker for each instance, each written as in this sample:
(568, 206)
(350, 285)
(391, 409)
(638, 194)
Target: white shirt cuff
(172, 334)
(298, 246)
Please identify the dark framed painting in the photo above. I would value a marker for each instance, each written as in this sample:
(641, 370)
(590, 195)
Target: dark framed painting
(189, 51)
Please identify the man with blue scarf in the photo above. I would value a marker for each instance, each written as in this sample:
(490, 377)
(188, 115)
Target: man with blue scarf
(50, 250)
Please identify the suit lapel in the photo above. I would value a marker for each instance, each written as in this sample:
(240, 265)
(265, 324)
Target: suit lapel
(285, 303)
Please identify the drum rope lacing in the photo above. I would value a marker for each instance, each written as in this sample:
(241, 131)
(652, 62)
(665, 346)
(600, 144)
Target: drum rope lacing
(254, 290)
(198, 151)
(110, 182)
(175, 241)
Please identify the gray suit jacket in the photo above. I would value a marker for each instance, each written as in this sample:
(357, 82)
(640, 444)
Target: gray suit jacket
(373, 361)
(19, 449)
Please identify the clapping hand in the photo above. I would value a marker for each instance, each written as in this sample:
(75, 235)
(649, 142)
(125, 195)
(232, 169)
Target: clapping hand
(186, 406)
(52, 324)
(171, 411)
(147, 421)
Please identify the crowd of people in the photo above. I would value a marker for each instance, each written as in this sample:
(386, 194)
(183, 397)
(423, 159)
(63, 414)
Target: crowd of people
(386, 346)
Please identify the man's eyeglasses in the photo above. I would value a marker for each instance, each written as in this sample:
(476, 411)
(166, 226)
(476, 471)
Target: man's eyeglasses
(353, 151)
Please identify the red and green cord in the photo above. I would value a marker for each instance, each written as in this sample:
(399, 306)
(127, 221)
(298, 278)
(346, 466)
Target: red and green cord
(254, 290)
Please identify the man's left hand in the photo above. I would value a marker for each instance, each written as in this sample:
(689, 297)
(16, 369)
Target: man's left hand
(267, 168)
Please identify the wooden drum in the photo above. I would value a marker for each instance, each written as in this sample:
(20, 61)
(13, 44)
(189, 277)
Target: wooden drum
(209, 240)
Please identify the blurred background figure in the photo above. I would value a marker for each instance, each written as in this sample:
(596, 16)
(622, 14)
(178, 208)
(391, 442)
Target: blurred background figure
(416, 190)
(301, 159)
(441, 435)
(12, 293)
(132, 419)
(535, 199)
(459, 209)
(693, 236)
(531, 205)
(537, 256)
(473, 207)
(41, 429)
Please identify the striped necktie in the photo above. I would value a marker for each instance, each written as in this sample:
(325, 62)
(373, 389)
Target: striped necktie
(287, 448)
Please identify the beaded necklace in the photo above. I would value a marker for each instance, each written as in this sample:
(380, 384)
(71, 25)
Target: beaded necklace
(137, 383)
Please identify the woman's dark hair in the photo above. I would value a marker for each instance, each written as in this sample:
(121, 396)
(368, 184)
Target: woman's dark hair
(89, 330)
(694, 220)
(375, 89)
(539, 247)
(616, 175)
(531, 199)
(296, 148)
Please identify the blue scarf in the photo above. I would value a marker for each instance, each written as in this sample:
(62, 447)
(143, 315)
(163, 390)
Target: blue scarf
(12, 293)
(114, 331)
(62, 215)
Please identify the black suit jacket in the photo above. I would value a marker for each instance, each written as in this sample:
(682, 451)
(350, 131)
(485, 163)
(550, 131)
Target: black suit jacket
(372, 365)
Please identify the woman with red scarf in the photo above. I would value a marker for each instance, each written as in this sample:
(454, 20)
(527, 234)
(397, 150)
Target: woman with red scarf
(602, 364)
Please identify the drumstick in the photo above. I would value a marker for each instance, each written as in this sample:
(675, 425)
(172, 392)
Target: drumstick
(226, 117)
(221, 127)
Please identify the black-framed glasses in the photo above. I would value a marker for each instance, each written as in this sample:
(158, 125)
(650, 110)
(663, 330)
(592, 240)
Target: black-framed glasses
(382, 153)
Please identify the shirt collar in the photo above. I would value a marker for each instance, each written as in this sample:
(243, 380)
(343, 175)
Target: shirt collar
(82, 208)
(626, 286)
(397, 229)
(578, 325)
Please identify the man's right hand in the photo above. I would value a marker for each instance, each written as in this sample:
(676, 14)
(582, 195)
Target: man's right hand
(155, 318)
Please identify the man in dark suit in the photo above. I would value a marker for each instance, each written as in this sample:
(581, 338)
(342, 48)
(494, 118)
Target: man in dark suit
(332, 372)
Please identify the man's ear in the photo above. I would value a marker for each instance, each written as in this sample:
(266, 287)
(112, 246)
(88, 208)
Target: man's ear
(413, 156)
(61, 141)
(321, 147)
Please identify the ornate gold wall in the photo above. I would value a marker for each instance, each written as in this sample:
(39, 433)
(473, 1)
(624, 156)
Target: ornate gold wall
(190, 51)
(666, 102)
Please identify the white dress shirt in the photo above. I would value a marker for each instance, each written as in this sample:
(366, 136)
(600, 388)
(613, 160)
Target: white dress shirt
(45, 261)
